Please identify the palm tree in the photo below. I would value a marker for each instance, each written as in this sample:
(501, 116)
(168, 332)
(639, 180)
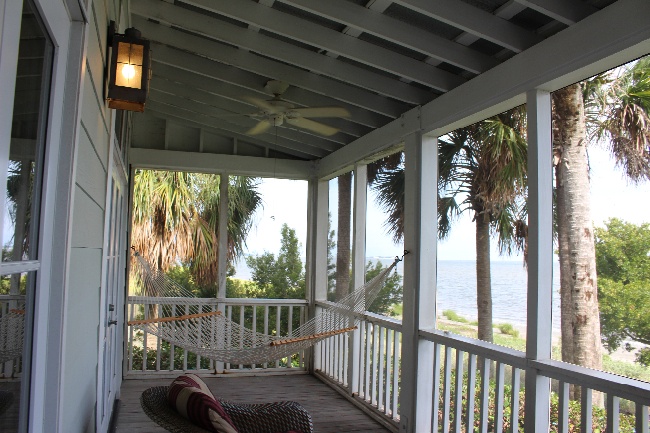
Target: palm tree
(483, 171)
(176, 216)
(611, 107)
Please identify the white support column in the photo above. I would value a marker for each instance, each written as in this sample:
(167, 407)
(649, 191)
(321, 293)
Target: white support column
(222, 258)
(540, 256)
(358, 265)
(420, 234)
(317, 232)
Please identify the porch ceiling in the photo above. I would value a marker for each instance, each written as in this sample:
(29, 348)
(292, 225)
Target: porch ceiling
(377, 58)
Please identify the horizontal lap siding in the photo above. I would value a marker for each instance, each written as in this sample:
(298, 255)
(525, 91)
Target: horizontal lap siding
(87, 214)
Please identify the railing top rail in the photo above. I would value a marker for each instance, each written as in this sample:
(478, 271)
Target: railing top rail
(621, 386)
(7, 298)
(492, 351)
(385, 321)
(166, 300)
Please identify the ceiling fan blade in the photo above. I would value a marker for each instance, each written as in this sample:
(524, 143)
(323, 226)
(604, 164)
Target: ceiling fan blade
(310, 125)
(261, 103)
(262, 126)
(322, 112)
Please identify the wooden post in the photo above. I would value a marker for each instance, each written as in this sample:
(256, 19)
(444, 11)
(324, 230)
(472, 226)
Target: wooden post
(540, 257)
(358, 267)
(316, 269)
(420, 233)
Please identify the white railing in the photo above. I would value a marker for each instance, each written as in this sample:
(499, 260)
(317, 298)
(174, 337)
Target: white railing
(10, 302)
(270, 316)
(366, 362)
(475, 383)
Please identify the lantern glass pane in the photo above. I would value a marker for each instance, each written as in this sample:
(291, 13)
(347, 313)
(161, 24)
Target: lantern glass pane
(123, 52)
(137, 54)
(128, 75)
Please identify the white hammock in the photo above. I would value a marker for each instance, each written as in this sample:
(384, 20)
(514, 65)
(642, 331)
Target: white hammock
(214, 336)
(12, 334)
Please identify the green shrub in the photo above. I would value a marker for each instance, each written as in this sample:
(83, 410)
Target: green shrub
(508, 329)
(454, 317)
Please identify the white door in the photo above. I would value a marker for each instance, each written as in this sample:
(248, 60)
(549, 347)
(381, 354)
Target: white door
(111, 314)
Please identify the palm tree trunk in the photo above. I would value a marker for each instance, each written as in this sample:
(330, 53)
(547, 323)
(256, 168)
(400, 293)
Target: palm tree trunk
(580, 286)
(566, 303)
(343, 235)
(483, 279)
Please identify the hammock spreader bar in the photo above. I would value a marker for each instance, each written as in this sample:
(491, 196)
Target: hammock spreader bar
(173, 318)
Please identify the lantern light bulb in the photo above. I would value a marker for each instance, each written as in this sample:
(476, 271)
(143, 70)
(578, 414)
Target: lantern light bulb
(128, 71)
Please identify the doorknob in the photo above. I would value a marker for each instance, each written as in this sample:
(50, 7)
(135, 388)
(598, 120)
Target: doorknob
(112, 322)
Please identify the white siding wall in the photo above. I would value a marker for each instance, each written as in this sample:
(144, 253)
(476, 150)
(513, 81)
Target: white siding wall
(80, 365)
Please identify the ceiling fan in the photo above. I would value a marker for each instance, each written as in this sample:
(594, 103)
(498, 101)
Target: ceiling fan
(277, 111)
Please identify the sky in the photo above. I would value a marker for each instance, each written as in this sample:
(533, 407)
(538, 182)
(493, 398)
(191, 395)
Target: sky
(286, 201)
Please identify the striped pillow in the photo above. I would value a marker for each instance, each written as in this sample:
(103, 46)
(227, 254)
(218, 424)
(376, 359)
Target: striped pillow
(192, 399)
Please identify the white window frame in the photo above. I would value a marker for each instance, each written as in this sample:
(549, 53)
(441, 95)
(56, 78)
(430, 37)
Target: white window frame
(65, 23)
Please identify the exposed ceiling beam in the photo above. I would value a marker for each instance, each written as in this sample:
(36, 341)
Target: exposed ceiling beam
(330, 40)
(277, 49)
(228, 128)
(255, 83)
(163, 111)
(231, 164)
(475, 21)
(568, 12)
(201, 107)
(398, 32)
(232, 97)
(506, 11)
(574, 54)
(272, 69)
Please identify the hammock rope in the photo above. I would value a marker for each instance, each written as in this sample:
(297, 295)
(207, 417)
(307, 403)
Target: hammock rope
(214, 336)
(12, 335)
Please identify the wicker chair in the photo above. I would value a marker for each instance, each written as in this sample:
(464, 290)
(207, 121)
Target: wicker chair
(248, 418)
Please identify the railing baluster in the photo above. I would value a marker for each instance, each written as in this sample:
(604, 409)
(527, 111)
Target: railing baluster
(345, 347)
(362, 357)
(641, 422)
(396, 373)
(186, 332)
(172, 348)
(254, 328)
(458, 401)
(144, 341)
(289, 331)
(266, 326)
(132, 308)
(367, 393)
(563, 407)
(380, 373)
(389, 364)
(514, 400)
(158, 342)
(199, 337)
(498, 397)
(613, 405)
(446, 402)
(471, 390)
(229, 336)
(212, 336)
(375, 356)
(278, 331)
(485, 394)
(586, 418)
(241, 331)
(435, 392)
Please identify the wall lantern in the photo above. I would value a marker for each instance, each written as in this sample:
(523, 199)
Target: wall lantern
(130, 70)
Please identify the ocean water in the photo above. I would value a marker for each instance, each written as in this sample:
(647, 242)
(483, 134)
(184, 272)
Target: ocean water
(457, 288)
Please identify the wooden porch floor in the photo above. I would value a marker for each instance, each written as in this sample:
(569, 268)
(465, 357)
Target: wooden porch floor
(330, 411)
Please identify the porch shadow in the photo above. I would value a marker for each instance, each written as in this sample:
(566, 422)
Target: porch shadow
(330, 411)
